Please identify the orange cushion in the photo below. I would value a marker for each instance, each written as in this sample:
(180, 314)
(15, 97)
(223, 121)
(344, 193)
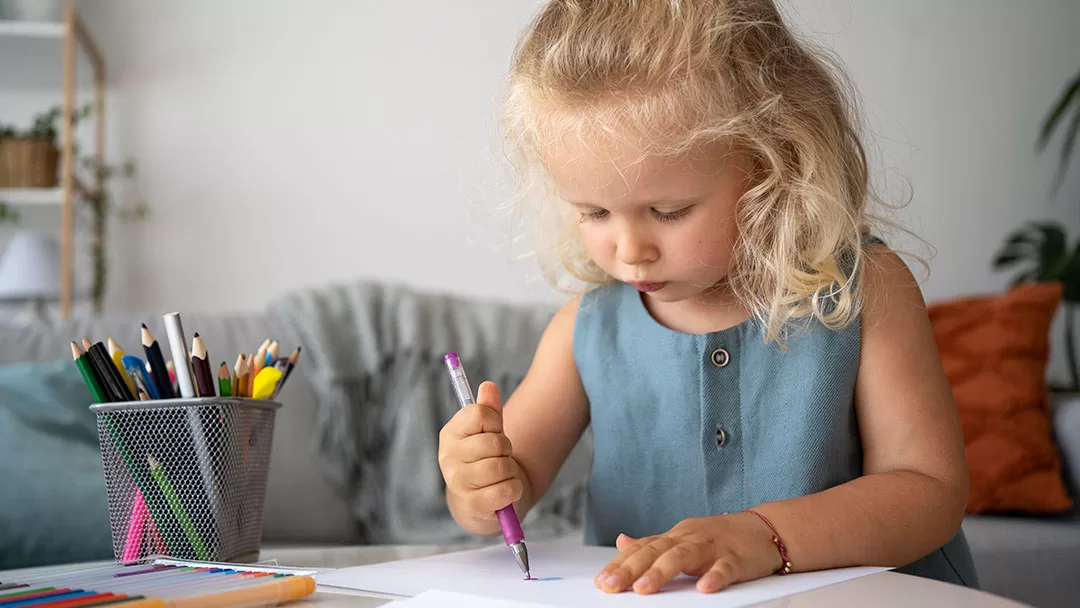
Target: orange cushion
(995, 350)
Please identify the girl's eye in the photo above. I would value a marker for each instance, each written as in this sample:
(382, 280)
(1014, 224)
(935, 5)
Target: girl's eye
(671, 216)
(589, 216)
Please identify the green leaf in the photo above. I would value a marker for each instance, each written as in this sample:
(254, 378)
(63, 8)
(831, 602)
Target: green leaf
(1021, 237)
(1067, 147)
(1008, 257)
(1024, 277)
(1051, 251)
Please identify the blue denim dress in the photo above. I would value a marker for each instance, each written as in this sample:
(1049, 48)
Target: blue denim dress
(695, 425)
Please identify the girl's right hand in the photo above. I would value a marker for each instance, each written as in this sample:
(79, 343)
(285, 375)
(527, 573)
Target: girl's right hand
(475, 459)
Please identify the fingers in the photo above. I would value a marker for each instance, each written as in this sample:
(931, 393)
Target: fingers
(622, 542)
(683, 557)
(488, 396)
(632, 562)
(472, 420)
(475, 448)
(723, 573)
(484, 502)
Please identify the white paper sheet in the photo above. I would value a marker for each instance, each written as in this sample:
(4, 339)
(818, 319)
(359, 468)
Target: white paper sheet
(491, 572)
(451, 599)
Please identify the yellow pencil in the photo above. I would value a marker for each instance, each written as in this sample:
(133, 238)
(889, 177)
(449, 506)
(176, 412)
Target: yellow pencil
(117, 353)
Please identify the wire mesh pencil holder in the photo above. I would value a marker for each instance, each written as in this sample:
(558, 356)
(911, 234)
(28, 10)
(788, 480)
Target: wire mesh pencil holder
(186, 478)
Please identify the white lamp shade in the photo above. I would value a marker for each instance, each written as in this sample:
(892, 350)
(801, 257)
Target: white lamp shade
(30, 268)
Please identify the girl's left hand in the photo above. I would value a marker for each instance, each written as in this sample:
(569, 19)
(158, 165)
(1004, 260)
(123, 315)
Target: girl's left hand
(721, 549)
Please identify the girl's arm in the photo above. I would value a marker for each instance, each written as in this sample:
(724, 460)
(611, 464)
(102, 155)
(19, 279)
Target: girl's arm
(543, 420)
(913, 492)
(547, 414)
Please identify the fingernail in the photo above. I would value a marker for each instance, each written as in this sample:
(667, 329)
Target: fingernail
(641, 583)
(611, 581)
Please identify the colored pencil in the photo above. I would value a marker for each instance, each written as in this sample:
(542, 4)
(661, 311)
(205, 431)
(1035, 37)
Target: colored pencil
(158, 369)
(272, 352)
(136, 528)
(116, 353)
(260, 357)
(135, 365)
(238, 375)
(293, 359)
(113, 385)
(85, 368)
(204, 381)
(171, 368)
(224, 380)
(178, 509)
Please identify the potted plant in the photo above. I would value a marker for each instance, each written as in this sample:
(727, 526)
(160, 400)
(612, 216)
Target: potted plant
(29, 159)
(99, 205)
(96, 206)
(1042, 247)
(1043, 251)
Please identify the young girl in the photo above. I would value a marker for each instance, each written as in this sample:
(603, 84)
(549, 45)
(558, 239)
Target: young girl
(758, 370)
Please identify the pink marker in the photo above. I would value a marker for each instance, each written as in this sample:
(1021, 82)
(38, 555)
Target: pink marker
(508, 519)
(136, 526)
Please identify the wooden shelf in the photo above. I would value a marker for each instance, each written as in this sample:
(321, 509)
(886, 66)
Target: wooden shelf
(33, 56)
(32, 29)
(31, 53)
(38, 197)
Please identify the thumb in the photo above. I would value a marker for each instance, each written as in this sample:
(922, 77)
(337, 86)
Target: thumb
(488, 395)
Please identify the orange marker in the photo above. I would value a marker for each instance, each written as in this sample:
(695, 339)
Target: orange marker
(152, 602)
(284, 590)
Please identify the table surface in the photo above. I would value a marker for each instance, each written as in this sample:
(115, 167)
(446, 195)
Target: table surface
(884, 589)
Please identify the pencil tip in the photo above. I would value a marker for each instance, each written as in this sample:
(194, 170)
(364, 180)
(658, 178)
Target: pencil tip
(144, 326)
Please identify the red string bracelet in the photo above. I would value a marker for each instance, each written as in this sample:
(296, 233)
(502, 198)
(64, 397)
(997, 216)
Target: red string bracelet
(786, 568)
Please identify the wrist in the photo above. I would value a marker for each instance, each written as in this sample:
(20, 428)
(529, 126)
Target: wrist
(767, 538)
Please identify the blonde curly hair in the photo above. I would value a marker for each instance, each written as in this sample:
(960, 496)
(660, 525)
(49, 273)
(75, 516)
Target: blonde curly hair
(669, 75)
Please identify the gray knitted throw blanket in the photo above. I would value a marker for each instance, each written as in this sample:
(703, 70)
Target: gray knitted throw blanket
(374, 353)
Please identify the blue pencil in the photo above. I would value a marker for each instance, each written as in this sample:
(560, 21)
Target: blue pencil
(135, 365)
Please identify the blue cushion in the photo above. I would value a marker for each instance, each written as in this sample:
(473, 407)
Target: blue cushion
(53, 506)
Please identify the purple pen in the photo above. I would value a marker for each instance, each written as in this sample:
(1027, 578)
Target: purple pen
(508, 519)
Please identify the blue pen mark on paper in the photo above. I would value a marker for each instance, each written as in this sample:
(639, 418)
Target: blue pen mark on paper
(550, 578)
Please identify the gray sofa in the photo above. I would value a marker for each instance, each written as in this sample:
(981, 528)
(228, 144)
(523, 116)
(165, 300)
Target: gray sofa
(1029, 559)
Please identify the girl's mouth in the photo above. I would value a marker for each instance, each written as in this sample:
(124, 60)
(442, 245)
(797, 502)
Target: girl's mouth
(648, 286)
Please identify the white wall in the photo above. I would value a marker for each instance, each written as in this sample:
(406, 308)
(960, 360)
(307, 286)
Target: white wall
(285, 144)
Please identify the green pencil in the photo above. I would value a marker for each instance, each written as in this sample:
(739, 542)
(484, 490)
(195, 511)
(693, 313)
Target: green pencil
(177, 508)
(87, 374)
(224, 380)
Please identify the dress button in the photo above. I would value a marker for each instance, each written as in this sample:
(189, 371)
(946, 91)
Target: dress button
(719, 357)
(721, 436)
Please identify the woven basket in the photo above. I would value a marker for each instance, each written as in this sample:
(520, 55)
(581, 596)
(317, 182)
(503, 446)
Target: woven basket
(26, 162)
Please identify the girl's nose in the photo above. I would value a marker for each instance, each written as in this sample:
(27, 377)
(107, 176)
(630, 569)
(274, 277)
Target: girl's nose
(631, 249)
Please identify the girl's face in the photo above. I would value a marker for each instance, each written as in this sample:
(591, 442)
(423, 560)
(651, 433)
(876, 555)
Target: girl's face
(665, 225)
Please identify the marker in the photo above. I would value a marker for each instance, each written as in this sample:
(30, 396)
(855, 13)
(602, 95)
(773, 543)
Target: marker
(175, 331)
(508, 519)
